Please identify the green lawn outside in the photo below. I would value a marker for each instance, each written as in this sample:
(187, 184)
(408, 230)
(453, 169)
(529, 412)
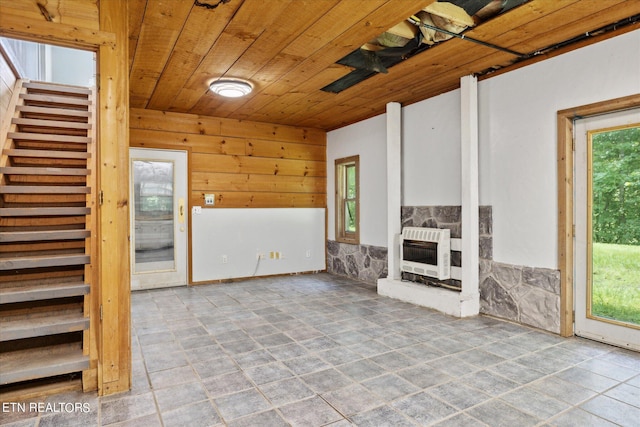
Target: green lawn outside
(616, 282)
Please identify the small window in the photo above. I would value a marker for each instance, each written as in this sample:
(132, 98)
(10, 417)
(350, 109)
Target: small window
(347, 200)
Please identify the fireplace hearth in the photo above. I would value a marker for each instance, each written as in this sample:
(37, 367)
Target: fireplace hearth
(451, 284)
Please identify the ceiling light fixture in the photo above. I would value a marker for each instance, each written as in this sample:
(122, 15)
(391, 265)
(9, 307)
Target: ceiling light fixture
(231, 88)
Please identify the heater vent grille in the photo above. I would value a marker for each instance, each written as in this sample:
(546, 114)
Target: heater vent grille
(434, 235)
(426, 251)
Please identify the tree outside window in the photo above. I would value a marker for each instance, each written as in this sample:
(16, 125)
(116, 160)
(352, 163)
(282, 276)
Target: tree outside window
(616, 186)
(347, 200)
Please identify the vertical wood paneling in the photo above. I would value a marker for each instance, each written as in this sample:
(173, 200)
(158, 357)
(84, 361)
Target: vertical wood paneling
(161, 27)
(191, 47)
(289, 52)
(114, 213)
(136, 13)
(245, 164)
(565, 222)
(91, 270)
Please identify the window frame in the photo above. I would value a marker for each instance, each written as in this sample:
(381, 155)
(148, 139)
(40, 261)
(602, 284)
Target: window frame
(342, 235)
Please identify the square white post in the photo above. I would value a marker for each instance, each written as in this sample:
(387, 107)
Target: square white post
(394, 188)
(470, 295)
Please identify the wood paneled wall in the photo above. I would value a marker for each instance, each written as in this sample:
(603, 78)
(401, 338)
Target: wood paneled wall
(245, 164)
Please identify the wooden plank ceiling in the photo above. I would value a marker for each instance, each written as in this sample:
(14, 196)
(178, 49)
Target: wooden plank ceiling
(288, 49)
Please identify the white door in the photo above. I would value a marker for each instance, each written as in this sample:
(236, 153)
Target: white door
(158, 218)
(607, 235)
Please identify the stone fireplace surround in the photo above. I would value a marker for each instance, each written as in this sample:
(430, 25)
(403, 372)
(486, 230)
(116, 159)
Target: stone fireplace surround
(527, 295)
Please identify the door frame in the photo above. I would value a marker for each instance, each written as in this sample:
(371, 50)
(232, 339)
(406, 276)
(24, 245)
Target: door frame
(566, 224)
(586, 323)
(186, 214)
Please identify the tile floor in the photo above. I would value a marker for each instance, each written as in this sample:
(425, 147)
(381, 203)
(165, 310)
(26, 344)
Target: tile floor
(316, 350)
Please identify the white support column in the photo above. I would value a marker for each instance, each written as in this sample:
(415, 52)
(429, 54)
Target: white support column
(470, 295)
(394, 187)
(459, 304)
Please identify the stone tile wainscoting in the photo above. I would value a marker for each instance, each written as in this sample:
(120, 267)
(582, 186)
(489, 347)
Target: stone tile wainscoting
(361, 262)
(450, 217)
(527, 295)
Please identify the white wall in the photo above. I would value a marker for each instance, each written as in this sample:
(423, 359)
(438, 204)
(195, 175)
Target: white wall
(367, 139)
(225, 243)
(519, 135)
(53, 63)
(72, 66)
(517, 147)
(431, 151)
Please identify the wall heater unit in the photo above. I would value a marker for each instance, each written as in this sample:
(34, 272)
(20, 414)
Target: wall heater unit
(426, 251)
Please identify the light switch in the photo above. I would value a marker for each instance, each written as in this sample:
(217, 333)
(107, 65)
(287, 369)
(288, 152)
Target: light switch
(209, 199)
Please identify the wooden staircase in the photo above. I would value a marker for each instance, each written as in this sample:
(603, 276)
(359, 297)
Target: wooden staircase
(47, 219)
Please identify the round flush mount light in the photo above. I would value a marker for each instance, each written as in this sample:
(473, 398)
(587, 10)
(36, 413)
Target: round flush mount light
(231, 88)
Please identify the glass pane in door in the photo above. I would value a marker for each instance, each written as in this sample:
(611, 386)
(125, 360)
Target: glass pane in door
(615, 225)
(153, 215)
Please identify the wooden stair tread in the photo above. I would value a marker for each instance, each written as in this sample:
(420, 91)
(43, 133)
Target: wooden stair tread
(41, 362)
(42, 292)
(55, 99)
(59, 124)
(49, 154)
(30, 170)
(51, 112)
(53, 87)
(40, 389)
(46, 323)
(44, 189)
(29, 136)
(43, 261)
(35, 236)
(44, 211)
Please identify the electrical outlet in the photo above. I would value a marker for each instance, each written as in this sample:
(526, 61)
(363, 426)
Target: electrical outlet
(209, 199)
(197, 210)
(225, 259)
(259, 256)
